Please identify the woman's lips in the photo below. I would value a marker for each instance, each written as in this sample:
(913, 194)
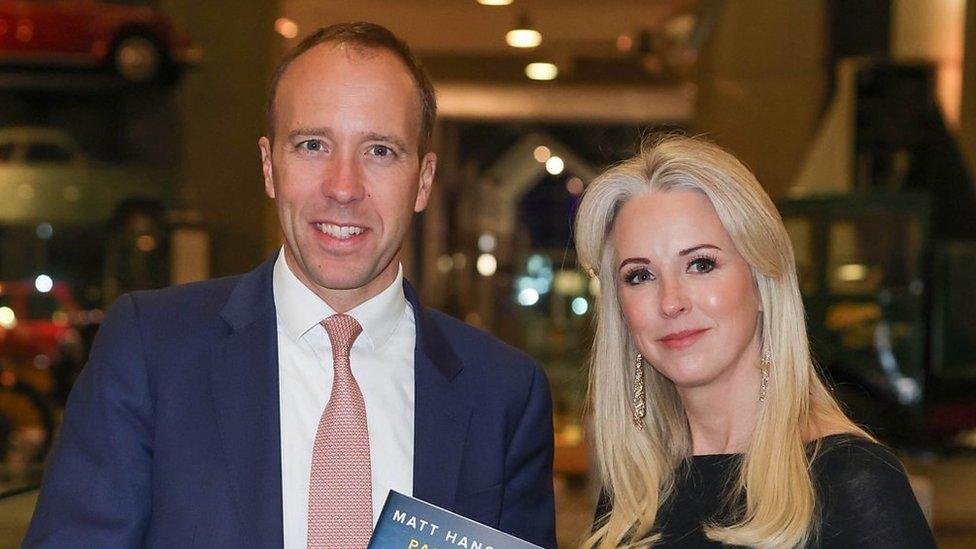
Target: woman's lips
(681, 340)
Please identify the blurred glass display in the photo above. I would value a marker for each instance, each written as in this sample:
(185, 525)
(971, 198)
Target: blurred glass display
(954, 295)
(862, 268)
(873, 251)
(801, 235)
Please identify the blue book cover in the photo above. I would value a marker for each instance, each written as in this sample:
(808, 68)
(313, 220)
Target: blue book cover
(409, 523)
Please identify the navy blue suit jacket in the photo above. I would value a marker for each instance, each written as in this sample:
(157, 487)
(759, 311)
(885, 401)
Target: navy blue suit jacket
(171, 435)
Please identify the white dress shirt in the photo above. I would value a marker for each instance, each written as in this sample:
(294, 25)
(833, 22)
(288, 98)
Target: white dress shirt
(381, 359)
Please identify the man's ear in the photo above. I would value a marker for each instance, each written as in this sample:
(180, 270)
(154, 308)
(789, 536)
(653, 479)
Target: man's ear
(428, 167)
(266, 167)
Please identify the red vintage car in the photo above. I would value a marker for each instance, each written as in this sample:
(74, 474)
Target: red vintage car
(131, 38)
(44, 336)
(34, 324)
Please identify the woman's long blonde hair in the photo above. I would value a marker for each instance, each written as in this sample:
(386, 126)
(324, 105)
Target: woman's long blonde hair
(637, 466)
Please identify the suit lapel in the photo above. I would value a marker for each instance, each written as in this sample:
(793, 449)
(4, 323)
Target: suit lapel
(442, 410)
(244, 381)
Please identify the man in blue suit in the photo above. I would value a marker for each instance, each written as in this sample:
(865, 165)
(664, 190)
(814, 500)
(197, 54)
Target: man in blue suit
(204, 407)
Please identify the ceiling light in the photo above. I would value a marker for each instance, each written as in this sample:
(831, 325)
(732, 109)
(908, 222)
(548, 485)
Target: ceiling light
(523, 35)
(523, 38)
(541, 71)
(494, 2)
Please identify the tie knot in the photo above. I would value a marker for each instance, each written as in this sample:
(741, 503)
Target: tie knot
(342, 330)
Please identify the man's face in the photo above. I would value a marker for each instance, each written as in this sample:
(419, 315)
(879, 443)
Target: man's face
(344, 169)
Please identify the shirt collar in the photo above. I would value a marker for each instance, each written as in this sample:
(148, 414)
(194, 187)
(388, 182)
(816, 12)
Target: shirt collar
(299, 310)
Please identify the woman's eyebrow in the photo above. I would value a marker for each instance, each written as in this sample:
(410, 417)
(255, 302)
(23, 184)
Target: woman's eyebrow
(637, 260)
(687, 251)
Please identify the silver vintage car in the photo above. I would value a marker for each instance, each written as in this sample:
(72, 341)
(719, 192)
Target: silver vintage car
(46, 177)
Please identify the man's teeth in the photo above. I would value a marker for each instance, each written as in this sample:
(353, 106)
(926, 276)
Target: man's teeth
(339, 231)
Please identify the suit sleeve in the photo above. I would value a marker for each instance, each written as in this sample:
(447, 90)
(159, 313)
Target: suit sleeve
(97, 487)
(528, 509)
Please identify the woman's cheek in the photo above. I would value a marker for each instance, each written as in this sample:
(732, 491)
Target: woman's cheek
(635, 310)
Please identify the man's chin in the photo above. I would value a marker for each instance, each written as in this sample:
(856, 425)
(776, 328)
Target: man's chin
(343, 282)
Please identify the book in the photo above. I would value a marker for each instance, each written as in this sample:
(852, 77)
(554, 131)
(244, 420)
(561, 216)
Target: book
(409, 523)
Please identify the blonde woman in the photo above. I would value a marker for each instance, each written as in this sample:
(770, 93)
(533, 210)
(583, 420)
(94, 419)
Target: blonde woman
(710, 424)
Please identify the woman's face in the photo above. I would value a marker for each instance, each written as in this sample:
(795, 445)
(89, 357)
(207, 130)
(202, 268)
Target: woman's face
(685, 292)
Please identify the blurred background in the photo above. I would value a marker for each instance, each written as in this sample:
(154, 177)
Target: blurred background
(128, 160)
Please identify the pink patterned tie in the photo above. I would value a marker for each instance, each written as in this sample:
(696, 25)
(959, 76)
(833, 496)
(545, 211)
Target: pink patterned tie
(340, 503)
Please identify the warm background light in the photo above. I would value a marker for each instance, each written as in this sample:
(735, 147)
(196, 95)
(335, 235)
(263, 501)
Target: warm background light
(523, 38)
(625, 42)
(541, 154)
(8, 319)
(574, 186)
(541, 71)
(494, 2)
(286, 27)
(486, 264)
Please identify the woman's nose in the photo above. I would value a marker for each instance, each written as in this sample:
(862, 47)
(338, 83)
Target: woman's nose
(674, 302)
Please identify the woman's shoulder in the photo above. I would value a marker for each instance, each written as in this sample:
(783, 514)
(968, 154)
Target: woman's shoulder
(854, 466)
(853, 455)
(864, 495)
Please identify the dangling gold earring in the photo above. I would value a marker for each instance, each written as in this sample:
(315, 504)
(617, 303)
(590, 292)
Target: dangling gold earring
(640, 406)
(765, 362)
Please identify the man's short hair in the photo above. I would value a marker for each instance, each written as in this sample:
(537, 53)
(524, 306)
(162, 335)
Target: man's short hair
(364, 35)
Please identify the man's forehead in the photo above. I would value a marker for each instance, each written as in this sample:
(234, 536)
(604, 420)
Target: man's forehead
(333, 65)
(331, 72)
(330, 54)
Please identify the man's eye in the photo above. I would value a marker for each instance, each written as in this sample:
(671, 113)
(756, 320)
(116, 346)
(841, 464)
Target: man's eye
(381, 151)
(638, 275)
(312, 145)
(702, 265)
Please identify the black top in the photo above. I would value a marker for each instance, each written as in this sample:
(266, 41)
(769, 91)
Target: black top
(863, 498)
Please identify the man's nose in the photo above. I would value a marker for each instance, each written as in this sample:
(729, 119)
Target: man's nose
(343, 181)
(674, 300)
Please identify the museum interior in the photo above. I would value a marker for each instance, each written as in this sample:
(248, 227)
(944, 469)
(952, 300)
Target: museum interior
(129, 160)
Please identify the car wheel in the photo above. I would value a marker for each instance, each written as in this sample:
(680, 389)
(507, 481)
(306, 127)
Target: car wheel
(138, 59)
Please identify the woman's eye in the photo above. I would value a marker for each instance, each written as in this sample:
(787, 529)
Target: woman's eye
(702, 265)
(638, 276)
